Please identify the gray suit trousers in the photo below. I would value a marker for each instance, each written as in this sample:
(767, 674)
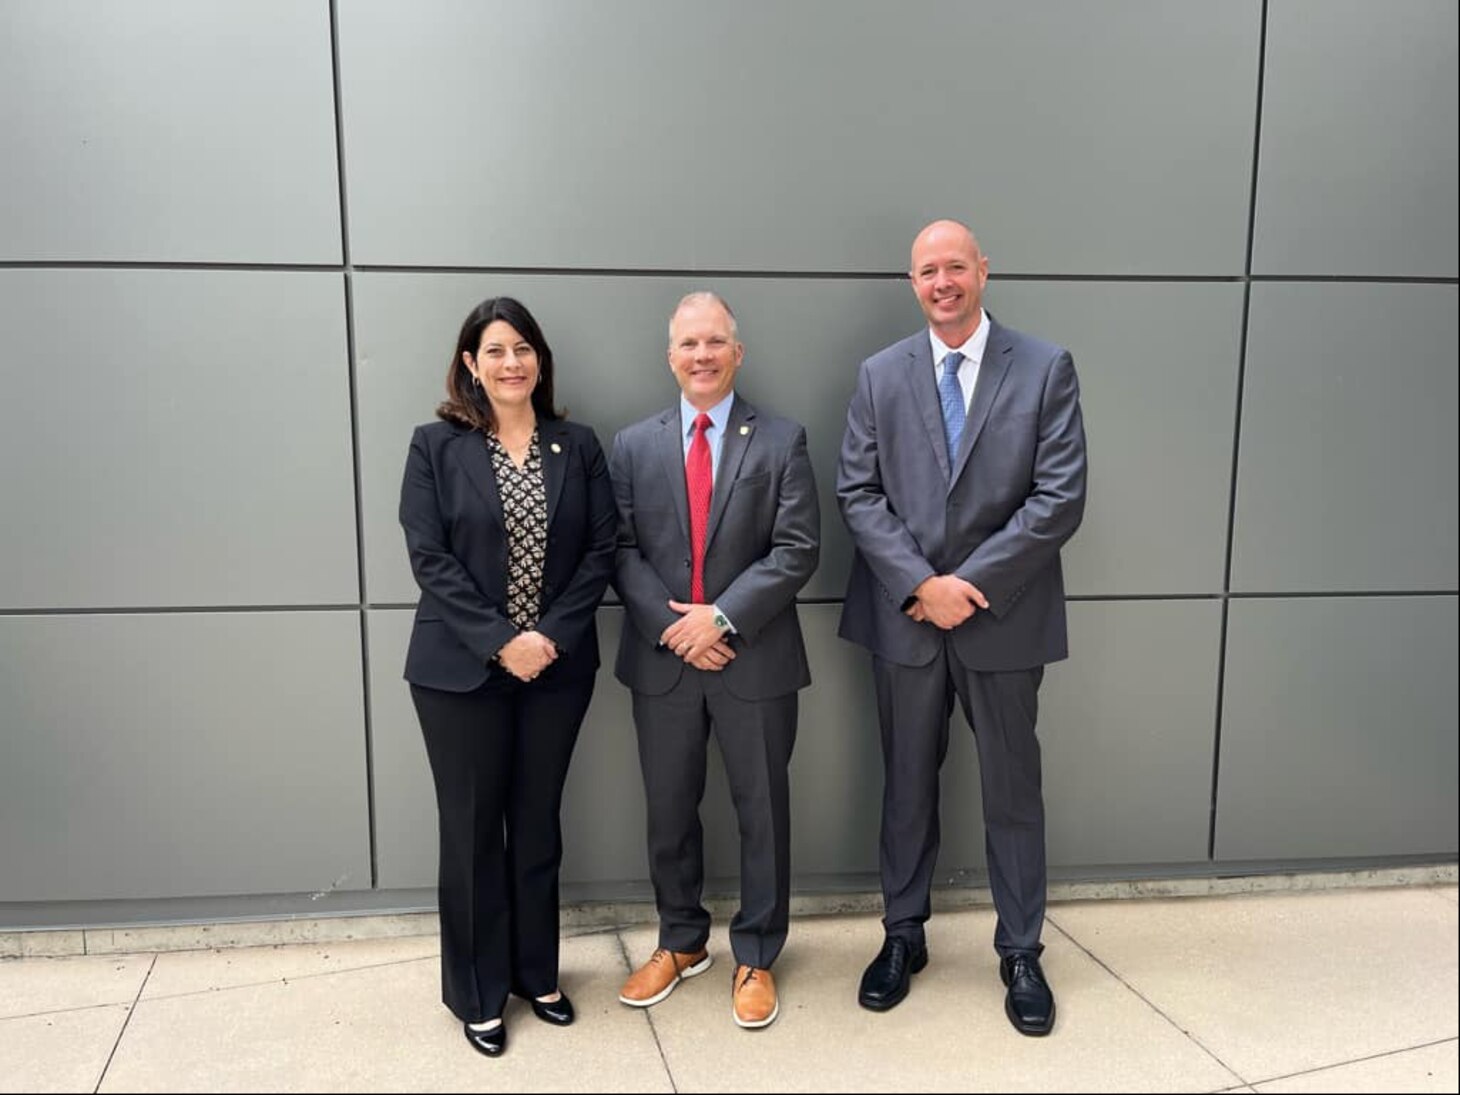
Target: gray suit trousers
(756, 738)
(915, 703)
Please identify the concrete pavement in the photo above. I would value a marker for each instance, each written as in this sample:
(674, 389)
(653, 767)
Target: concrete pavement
(1329, 990)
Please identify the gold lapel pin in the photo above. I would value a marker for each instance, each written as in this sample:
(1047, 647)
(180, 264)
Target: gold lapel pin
(744, 430)
(556, 447)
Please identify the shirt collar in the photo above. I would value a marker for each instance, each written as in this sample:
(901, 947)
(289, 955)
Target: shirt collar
(972, 350)
(719, 414)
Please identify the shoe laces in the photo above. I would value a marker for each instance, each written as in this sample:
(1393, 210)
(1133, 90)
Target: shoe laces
(750, 975)
(1020, 966)
(899, 954)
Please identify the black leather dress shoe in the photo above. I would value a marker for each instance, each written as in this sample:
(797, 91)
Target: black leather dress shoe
(1029, 1003)
(558, 1012)
(491, 1042)
(886, 981)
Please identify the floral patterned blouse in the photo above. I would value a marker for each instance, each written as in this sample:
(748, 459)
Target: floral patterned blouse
(524, 510)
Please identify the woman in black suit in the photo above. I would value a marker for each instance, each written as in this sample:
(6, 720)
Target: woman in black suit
(509, 519)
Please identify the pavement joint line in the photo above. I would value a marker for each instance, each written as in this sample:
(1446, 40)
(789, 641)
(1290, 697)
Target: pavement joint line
(623, 950)
(1241, 1084)
(131, 1011)
(1355, 1061)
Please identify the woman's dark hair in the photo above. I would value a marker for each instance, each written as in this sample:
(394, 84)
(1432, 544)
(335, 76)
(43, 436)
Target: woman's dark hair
(466, 404)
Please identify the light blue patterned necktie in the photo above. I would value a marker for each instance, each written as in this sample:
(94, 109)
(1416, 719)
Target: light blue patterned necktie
(951, 396)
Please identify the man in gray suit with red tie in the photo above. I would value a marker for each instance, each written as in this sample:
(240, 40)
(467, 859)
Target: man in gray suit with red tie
(962, 473)
(719, 528)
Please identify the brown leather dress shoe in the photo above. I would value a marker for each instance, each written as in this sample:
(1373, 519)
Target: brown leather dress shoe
(659, 976)
(753, 997)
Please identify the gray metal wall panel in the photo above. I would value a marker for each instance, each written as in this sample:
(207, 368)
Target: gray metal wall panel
(1127, 727)
(544, 135)
(1159, 409)
(405, 803)
(1347, 475)
(175, 438)
(836, 771)
(1358, 170)
(837, 759)
(204, 452)
(161, 132)
(180, 754)
(1338, 728)
(603, 803)
(609, 337)
(1158, 388)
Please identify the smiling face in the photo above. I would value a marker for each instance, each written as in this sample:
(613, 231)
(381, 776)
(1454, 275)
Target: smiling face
(948, 275)
(506, 365)
(703, 352)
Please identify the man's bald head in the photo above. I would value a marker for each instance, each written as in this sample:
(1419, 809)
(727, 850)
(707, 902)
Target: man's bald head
(945, 231)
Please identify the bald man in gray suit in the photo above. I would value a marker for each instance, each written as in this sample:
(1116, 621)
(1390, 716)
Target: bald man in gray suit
(719, 527)
(962, 473)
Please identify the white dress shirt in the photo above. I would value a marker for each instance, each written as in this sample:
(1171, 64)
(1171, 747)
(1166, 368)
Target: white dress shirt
(972, 352)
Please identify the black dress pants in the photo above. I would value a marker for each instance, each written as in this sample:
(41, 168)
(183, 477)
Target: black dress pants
(499, 758)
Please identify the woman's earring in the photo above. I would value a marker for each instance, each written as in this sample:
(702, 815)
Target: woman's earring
(476, 381)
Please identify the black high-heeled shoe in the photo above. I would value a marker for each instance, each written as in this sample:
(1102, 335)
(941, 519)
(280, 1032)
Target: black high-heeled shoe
(559, 1012)
(491, 1042)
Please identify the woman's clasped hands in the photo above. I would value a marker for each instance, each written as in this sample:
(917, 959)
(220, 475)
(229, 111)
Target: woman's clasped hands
(527, 654)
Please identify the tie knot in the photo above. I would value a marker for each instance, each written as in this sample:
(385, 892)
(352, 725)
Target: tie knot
(951, 363)
(703, 422)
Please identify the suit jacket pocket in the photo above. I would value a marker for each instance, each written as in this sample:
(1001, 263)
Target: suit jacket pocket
(1013, 421)
(750, 482)
(435, 658)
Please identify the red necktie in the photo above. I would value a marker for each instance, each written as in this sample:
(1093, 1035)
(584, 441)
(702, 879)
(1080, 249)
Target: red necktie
(700, 482)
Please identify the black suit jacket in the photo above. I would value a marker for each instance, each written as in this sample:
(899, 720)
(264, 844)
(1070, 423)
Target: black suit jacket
(452, 516)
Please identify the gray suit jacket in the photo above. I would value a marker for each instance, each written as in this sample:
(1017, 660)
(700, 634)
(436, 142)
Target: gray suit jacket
(762, 544)
(997, 517)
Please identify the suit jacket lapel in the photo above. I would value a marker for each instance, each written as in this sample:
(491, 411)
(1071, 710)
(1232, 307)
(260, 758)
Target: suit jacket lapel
(553, 446)
(925, 398)
(671, 455)
(476, 461)
(997, 355)
(739, 429)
